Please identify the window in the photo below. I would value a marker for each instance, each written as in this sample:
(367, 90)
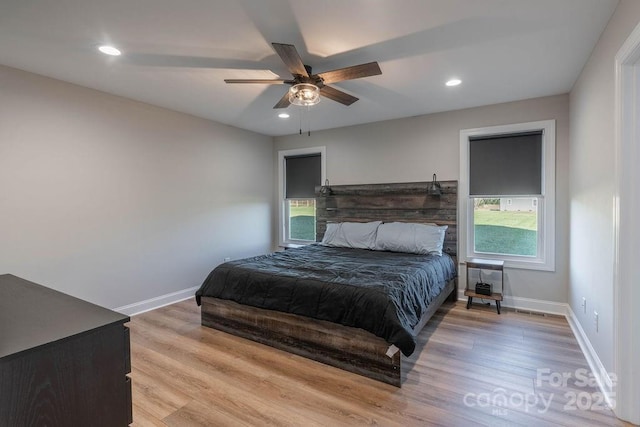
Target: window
(507, 191)
(300, 171)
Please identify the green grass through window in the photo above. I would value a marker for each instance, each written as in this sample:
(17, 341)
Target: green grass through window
(303, 223)
(505, 232)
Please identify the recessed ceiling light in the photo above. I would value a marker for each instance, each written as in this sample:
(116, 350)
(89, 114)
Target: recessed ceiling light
(109, 50)
(284, 115)
(453, 82)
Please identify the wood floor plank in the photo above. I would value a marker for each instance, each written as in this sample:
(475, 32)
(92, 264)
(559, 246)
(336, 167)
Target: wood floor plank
(155, 397)
(270, 402)
(142, 418)
(187, 375)
(198, 414)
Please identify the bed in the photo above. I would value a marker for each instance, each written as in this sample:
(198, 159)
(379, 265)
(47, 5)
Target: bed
(356, 309)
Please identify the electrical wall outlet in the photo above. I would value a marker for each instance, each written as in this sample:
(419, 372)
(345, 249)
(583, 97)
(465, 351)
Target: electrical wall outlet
(584, 305)
(595, 319)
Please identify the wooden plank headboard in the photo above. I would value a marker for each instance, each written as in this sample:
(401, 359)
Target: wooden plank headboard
(403, 202)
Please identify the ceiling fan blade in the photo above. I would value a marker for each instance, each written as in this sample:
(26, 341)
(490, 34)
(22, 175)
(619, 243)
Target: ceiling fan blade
(291, 58)
(350, 73)
(262, 81)
(284, 101)
(337, 95)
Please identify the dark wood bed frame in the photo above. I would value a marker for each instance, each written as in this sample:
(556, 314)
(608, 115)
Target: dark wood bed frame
(351, 349)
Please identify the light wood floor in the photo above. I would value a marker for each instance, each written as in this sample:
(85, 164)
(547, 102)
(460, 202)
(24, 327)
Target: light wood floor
(188, 375)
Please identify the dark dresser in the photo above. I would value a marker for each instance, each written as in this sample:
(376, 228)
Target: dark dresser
(63, 361)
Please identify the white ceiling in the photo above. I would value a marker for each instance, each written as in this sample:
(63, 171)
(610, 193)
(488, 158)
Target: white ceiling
(177, 53)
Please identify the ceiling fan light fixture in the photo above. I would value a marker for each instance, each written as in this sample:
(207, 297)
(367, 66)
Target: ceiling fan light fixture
(109, 50)
(304, 94)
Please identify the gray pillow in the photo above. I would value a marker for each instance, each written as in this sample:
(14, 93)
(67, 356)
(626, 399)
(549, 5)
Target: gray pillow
(410, 237)
(360, 235)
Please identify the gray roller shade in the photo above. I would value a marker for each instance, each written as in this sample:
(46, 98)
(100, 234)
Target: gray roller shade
(302, 174)
(506, 165)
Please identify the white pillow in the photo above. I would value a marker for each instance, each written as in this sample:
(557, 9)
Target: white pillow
(411, 238)
(361, 235)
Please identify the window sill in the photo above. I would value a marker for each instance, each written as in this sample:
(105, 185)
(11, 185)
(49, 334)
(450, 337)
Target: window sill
(515, 264)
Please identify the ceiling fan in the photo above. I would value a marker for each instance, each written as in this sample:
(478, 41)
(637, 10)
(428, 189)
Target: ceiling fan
(307, 87)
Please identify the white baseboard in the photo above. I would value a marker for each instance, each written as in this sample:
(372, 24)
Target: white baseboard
(529, 304)
(536, 305)
(157, 302)
(600, 373)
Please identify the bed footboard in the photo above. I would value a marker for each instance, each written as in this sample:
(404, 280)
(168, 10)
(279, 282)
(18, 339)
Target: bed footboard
(344, 347)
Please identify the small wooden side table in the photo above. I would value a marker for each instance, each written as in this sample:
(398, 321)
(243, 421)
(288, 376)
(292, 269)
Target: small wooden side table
(485, 264)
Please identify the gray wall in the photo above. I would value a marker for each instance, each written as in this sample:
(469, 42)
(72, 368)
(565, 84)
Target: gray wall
(117, 201)
(592, 183)
(412, 149)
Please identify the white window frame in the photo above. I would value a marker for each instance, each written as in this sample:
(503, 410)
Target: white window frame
(545, 259)
(282, 205)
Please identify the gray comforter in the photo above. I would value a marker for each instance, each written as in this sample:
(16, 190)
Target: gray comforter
(384, 293)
